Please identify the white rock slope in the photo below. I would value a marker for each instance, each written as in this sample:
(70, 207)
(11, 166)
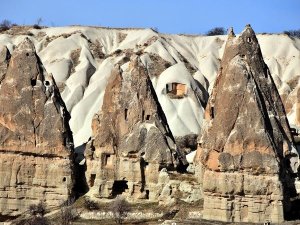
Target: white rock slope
(81, 60)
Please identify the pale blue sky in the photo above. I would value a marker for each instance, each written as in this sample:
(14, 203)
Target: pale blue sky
(169, 16)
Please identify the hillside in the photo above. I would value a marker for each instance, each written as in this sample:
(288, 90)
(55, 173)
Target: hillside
(81, 60)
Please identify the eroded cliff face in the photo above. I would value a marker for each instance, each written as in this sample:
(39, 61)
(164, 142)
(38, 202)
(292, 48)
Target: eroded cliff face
(132, 147)
(246, 155)
(35, 138)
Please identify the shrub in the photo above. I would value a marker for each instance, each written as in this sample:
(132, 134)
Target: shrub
(216, 31)
(37, 25)
(37, 212)
(38, 209)
(293, 33)
(5, 25)
(120, 209)
(33, 221)
(68, 213)
(38, 221)
(90, 205)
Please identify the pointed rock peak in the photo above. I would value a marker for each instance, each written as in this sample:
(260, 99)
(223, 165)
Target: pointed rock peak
(248, 35)
(134, 60)
(26, 45)
(231, 32)
(4, 53)
(245, 128)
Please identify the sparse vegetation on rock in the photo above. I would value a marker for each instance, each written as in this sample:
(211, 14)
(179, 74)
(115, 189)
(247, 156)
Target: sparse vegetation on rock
(90, 205)
(120, 209)
(68, 213)
(293, 33)
(5, 25)
(216, 31)
(38, 209)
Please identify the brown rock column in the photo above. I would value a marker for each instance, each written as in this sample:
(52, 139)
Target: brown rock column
(132, 141)
(35, 138)
(244, 153)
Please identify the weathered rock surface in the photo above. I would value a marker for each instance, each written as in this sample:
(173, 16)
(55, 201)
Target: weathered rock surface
(35, 139)
(245, 156)
(132, 141)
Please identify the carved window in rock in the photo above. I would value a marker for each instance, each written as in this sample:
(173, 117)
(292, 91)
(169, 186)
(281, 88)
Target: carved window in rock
(107, 160)
(212, 112)
(92, 180)
(176, 90)
(33, 82)
(143, 116)
(119, 186)
(126, 114)
(47, 83)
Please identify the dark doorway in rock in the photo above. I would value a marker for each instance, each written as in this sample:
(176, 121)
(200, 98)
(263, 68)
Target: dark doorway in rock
(147, 194)
(47, 83)
(126, 112)
(92, 180)
(143, 115)
(148, 117)
(33, 82)
(119, 187)
(212, 112)
(106, 159)
(64, 179)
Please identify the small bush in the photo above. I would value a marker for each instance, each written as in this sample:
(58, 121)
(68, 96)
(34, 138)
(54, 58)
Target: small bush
(293, 33)
(5, 25)
(90, 205)
(38, 209)
(36, 26)
(155, 29)
(120, 209)
(34, 221)
(216, 31)
(38, 221)
(68, 213)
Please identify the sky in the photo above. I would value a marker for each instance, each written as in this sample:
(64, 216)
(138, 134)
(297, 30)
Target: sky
(168, 16)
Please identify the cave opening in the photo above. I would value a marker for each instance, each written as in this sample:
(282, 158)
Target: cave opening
(212, 112)
(119, 186)
(47, 83)
(92, 180)
(33, 82)
(126, 114)
(143, 115)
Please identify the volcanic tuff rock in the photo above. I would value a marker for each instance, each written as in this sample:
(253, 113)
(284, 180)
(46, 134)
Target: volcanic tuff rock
(35, 138)
(71, 54)
(246, 151)
(132, 141)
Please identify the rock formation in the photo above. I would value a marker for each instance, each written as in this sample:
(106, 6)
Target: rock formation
(132, 142)
(245, 156)
(35, 139)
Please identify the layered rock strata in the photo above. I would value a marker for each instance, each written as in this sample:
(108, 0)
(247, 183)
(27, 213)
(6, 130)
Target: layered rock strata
(35, 138)
(132, 142)
(245, 159)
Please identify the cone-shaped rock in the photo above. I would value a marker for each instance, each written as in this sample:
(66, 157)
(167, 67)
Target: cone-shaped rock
(132, 141)
(245, 156)
(35, 138)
